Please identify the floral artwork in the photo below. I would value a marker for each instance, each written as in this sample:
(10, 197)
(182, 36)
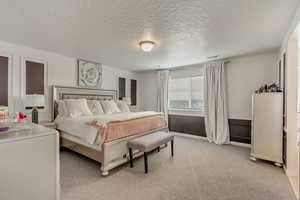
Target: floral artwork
(89, 74)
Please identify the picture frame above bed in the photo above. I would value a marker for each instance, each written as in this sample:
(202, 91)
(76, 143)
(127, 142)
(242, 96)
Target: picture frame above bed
(89, 74)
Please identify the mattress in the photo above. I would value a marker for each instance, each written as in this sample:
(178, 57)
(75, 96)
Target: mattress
(78, 127)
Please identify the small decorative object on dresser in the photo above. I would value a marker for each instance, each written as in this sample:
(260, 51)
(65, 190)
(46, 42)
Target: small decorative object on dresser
(89, 74)
(3, 111)
(48, 124)
(13, 122)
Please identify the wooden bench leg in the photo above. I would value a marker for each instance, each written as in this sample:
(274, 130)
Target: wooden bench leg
(172, 148)
(146, 162)
(130, 157)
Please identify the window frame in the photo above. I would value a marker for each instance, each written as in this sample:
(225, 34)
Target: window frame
(10, 81)
(23, 80)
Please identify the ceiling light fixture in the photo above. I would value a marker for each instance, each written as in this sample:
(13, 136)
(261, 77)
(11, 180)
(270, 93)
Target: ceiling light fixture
(147, 45)
(212, 57)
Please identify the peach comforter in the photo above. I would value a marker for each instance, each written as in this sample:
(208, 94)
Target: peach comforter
(121, 129)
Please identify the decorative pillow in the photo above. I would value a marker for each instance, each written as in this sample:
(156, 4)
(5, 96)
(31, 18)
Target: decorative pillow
(61, 108)
(95, 107)
(123, 106)
(77, 107)
(110, 107)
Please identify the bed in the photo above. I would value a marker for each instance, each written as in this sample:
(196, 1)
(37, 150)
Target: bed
(110, 147)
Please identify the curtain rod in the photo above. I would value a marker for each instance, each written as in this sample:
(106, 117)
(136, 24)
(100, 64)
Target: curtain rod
(192, 65)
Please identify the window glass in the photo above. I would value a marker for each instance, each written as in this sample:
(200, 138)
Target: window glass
(187, 93)
(4, 81)
(34, 78)
(133, 92)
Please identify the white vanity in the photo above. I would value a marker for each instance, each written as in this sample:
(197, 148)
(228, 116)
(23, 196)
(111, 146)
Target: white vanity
(29, 165)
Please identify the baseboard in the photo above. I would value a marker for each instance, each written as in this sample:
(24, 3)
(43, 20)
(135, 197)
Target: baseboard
(204, 138)
(292, 184)
(239, 144)
(190, 136)
(284, 168)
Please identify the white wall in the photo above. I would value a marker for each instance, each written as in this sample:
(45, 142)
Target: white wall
(62, 70)
(244, 75)
(291, 30)
(292, 160)
(148, 92)
(289, 45)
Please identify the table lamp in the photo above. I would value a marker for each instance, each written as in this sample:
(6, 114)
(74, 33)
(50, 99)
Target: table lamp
(34, 101)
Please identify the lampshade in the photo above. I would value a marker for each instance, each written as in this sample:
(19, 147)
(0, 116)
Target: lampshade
(3, 108)
(127, 100)
(147, 46)
(34, 100)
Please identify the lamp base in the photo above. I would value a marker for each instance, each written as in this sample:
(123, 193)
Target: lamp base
(35, 116)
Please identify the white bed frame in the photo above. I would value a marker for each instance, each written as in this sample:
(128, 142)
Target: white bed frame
(112, 154)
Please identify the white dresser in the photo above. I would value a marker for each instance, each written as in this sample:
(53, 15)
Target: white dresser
(29, 166)
(267, 127)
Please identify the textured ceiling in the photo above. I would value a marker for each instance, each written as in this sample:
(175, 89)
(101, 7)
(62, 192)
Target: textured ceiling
(108, 31)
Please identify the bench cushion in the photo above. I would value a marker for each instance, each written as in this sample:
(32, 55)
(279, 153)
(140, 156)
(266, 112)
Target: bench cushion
(149, 142)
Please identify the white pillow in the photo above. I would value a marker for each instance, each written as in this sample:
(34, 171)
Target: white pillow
(123, 106)
(77, 107)
(110, 107)
(61, 108)
(95, 107)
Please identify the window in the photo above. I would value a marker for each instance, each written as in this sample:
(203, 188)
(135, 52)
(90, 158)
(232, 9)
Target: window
(186, 93)
(34, 75)
(122, 88)
(34, 78)
(133, 91)
(35, 83)
(4, 81)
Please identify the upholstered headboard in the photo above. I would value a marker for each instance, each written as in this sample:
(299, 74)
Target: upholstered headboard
(61, 92)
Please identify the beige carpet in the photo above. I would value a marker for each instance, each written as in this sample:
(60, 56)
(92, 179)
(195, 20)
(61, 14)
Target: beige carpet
(199, 171)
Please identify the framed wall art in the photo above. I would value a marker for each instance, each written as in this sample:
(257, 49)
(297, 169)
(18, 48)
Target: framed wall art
(89, 74)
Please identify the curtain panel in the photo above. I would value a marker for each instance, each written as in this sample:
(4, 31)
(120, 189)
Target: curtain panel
(162, 97)
(216, 120)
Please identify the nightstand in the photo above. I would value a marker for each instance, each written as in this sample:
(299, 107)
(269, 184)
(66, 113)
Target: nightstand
(48, 124)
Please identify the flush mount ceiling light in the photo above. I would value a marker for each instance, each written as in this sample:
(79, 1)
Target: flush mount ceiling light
(147, 45)
(213, 57)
